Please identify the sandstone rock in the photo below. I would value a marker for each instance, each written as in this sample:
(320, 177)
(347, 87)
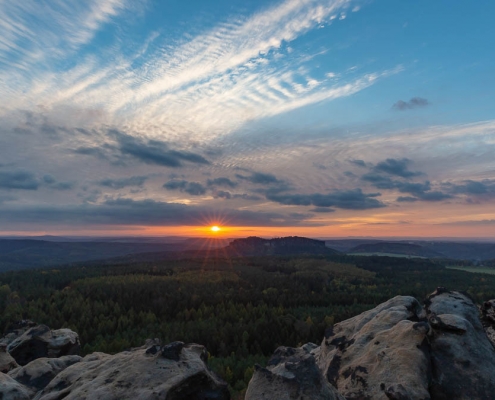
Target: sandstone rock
(379, 354)
(16, 330)
(462, 357)
(139, 374)
(291, 374)
(39, 341)
(7, 363)
(488, 320)
(38, 373)
(12, 390)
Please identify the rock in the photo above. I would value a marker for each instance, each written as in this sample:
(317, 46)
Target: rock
(7, 363)
(379, 354)
(16, 330)
(139, 374)
(172, 351)
(488, 319)
(291, 373)
(12, 390)
(38, 373)
(39, 341)
(462, 357)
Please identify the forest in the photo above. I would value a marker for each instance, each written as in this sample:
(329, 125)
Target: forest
(241, 308)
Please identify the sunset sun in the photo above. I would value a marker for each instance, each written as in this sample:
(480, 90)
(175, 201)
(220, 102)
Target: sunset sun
(215, 228)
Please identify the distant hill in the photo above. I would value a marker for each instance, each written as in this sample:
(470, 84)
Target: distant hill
(462, 250)
(429, 249)
(291, 245)
(34, 253)
(401, 248)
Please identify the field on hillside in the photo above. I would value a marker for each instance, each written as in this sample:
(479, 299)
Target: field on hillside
(476, 270)
(379, 254)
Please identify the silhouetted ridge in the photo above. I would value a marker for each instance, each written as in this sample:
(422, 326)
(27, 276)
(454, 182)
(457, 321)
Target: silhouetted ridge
(290, 245)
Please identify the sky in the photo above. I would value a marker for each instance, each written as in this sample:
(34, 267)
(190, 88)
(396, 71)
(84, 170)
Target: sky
(320, 118)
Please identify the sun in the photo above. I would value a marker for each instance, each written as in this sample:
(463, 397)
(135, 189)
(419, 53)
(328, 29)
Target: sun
(215, 228)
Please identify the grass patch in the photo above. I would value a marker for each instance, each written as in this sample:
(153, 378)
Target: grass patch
(476, 270)
(385, 255)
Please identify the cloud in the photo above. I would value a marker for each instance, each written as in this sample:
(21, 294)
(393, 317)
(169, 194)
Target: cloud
(480, 222)
(128, 212)
(34, 31)
(416, 188)
(348, 199)
(63, 186)
(407, 199)
(322, 210)
(319, 166)
(222, 194)
(121, 183)
(228, 195)
(379, 181)
(90, 151)
(156, 152)
(193, 188)
(18, 180)
(470, 187)
(49, 179)
(221, 181)
(415, 102)
(359, 163)
(51, 182)
(6, 198)
(434, 196)
(180, 89)
(119, 148)
(260, 178)
(398, 167)
(245, 196)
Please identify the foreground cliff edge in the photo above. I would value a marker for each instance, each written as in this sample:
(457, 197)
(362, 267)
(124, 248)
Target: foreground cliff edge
(398, 350)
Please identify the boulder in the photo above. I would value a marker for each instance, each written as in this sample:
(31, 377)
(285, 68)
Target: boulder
(153, 373)
(12, 390)
(291, 373)
(38, 373)
(39, 341)
(462, 357)
(379, 354)
(7, 363)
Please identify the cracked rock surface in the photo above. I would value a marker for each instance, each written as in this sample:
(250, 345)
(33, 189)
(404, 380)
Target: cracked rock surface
(462, 357)
(139, 374)
(291, 373)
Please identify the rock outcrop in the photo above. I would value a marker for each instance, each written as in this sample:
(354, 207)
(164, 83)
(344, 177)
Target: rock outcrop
(28, 342)
(291, 374)
(40, 372)
(171, 372)
(380, 354)
(462, 357)
(10, 389)
(488, 319)
(7, 362)
(397, 351)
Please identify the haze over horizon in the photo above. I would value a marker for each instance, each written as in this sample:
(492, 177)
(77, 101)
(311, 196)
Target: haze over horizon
(320, 118)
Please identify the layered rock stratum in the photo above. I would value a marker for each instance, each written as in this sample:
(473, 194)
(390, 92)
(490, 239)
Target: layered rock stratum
(399, 350)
